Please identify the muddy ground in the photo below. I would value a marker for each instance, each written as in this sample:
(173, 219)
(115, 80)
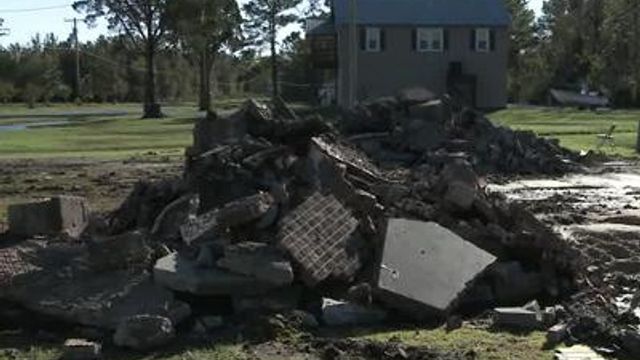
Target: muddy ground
(599, 213)
(105, 183)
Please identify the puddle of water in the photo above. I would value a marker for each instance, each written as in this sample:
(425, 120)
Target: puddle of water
(34, 125)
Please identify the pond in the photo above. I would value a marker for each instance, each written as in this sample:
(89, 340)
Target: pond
(32, 125)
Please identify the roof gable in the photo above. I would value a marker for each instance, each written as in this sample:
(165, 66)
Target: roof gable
(424, 12)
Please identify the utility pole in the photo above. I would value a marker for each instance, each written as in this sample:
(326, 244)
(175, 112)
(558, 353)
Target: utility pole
(353, 56)
(77, 46)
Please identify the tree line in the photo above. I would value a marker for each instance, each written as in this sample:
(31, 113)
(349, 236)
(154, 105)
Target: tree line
(581, 45)
(168, 50)
(164, 50)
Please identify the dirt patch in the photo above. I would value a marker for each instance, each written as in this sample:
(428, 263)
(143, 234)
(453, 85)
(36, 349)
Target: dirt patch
(104, 183)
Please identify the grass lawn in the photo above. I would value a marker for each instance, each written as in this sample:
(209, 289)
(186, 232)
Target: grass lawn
(100, 135)
(576, 129)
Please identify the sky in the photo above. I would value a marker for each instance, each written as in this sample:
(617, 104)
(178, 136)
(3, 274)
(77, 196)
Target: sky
(26, 18)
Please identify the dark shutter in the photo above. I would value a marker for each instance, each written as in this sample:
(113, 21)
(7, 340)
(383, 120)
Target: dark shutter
(492, 39)
(363, 38)
(473, 39)
(383, 39)
(445, 37)
(414, 39)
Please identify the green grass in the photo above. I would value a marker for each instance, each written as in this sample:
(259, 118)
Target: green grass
(99, 136)
(576, 129)
(486, 344)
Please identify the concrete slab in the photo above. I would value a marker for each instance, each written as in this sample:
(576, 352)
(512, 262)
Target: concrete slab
(425, 267)
(180, 274)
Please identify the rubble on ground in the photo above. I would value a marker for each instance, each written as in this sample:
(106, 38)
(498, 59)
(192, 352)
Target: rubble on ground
(276, 212)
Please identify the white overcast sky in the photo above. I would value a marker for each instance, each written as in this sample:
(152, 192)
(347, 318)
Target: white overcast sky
(26, 18)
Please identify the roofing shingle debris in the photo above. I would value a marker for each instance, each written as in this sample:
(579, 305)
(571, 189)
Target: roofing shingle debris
(324, 209)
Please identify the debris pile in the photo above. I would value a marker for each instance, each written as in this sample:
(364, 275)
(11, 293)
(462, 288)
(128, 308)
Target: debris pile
(435, 132)
(278, 213)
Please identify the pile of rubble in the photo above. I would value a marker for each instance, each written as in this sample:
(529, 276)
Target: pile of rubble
(414, 128)
(277, 213)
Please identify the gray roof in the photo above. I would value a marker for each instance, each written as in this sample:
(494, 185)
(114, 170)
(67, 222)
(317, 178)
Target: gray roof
(424, 12)
(320, 27)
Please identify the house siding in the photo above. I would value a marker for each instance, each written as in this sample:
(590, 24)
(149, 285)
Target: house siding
(399, 66)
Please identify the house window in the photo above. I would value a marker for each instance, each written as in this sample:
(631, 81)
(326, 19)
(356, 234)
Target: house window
(483, 40)
(430, 39)
(372, 42)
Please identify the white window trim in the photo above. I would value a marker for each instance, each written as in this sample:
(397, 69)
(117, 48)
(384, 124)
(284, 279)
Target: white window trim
(372, 33)
(429, 34)
(483, 34)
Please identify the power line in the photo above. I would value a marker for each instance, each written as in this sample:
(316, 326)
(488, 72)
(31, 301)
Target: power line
(11, 11)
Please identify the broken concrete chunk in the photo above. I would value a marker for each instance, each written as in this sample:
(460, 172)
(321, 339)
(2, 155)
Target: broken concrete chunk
(167, 224)
(316, 234)
(97, 299)
(124, 251)
(238, 212)
(245, 210)
(258, 260)
(425, 267)
(339, 313)
(80, 349)
(200, 229)
(144, 332)
(55, 216)
(180, 274)
(518, 318)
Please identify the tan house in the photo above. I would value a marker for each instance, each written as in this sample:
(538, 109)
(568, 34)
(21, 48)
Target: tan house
(374, 48)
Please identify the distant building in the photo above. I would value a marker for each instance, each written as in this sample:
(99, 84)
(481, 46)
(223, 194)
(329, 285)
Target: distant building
(373, 48)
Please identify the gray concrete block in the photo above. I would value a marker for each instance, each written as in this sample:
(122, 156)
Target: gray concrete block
(180, 274)
(425, 267)
(517, 318)
(55, 216)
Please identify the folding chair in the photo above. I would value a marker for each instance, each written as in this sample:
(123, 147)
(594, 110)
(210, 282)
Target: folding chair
(607, 138)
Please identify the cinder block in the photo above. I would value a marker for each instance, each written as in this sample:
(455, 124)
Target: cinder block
(58, 215)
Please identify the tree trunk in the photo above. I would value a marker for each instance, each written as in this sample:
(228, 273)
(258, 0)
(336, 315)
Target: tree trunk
(274, 58)
(205, 82)
(151, 107)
